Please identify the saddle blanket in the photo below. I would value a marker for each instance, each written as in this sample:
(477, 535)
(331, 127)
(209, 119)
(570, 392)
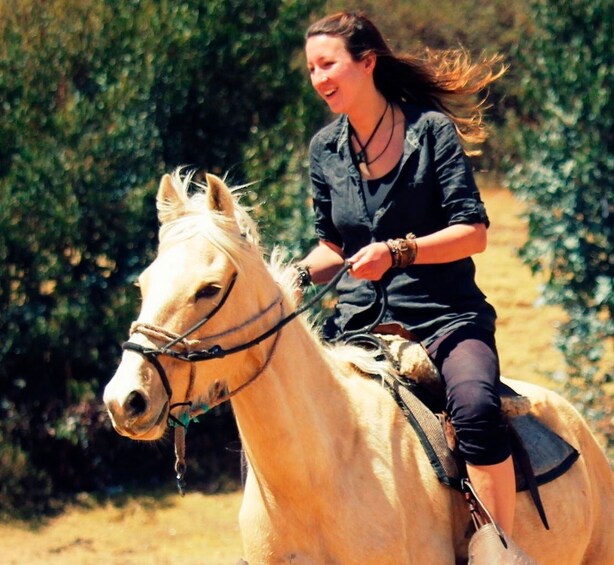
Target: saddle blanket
(548, 455)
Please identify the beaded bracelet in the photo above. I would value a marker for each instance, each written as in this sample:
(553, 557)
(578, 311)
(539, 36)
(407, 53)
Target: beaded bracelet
(304, 276)
(403, 250)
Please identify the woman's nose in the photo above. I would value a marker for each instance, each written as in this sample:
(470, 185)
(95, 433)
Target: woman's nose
(319, 77)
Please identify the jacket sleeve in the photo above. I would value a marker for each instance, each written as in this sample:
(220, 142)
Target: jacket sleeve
(322, 202)
(460, 197)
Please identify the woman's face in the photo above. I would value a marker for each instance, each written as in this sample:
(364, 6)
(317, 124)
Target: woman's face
(336, 77)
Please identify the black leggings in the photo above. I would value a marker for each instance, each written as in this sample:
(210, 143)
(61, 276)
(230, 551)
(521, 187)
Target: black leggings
(469, 365)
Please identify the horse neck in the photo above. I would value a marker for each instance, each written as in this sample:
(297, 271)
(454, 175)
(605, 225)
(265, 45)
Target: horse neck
(294, 417)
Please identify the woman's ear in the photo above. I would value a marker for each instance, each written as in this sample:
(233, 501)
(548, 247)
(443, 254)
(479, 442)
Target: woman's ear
(369, 61)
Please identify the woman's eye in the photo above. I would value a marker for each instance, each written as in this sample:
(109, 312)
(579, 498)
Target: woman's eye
(207, 291)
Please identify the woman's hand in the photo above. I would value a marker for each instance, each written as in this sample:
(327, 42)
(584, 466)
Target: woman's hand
(371, 262)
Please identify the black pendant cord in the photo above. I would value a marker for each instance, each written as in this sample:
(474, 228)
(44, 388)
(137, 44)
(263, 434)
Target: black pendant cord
(361, 156)
(386, 146)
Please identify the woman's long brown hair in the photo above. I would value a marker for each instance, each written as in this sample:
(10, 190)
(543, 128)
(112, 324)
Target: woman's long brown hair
(447, 80)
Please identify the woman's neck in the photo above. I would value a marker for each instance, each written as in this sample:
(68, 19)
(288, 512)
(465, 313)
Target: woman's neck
(365, 118)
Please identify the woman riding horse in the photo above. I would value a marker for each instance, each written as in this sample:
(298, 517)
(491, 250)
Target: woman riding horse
(392, 164)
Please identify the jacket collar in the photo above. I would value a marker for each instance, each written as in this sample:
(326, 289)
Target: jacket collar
(340, 133)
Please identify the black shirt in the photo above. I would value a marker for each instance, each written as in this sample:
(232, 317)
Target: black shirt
(374, 191)
(434, 188)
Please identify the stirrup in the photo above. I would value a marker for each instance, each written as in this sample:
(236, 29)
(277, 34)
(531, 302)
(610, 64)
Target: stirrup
(489, 545)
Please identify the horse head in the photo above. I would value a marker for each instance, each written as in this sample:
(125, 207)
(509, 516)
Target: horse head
(192, 294)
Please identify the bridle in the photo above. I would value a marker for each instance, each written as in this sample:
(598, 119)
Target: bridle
(179, 347)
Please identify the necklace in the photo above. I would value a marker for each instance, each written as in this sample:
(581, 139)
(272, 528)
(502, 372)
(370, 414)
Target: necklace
(364, 165)
(361, 156)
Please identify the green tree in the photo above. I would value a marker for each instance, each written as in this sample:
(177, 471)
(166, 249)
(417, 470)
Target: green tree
(97, 99)
(79, 152)
(565, 176)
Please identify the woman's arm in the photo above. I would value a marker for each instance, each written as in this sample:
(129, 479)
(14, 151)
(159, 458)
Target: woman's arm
(455, 242)
(323, 262)
(444, 246)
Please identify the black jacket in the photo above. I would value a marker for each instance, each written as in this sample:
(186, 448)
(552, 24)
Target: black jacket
(434, 189)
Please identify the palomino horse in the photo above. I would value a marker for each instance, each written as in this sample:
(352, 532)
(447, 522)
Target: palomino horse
(336, 475)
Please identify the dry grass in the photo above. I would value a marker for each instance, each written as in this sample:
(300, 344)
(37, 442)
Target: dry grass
(158, 529)
(161, 529)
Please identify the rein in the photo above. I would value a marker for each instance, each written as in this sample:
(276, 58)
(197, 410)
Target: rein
(180, 424)
(215, 352)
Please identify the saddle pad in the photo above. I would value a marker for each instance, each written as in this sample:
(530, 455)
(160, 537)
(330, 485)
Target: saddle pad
(549, 455)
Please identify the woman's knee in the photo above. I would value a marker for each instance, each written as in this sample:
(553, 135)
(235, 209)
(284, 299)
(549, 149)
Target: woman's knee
(472, 402)
(481, 431)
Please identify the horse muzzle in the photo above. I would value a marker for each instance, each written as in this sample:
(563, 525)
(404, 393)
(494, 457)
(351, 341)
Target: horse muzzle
(137, 409)
(129, 420)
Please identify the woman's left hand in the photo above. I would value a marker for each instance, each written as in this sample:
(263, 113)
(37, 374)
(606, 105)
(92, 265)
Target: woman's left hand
(371, 262)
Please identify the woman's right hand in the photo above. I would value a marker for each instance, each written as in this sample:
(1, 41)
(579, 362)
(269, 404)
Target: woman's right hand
(371, 262)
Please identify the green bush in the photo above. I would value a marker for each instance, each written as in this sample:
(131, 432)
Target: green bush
(97, 99)
(565, 176)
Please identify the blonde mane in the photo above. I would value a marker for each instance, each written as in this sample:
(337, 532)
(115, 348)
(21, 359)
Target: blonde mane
(189, 216)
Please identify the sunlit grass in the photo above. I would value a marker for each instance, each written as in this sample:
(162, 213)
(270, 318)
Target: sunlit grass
(157, 529)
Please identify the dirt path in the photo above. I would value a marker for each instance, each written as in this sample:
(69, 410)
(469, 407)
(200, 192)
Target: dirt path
(525, 330)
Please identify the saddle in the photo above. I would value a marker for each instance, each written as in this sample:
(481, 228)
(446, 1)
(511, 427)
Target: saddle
(539, 454)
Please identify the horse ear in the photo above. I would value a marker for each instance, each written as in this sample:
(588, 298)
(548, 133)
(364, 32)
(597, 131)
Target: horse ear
(220, 198)
(167, 199)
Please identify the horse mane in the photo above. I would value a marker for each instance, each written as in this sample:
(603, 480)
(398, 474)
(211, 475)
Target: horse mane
(189, 215)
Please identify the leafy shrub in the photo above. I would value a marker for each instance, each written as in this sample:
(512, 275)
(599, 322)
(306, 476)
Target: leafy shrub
(565, 176)
(97, 99)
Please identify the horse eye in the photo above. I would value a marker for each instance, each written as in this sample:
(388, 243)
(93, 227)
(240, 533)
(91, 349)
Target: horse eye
(207, 291)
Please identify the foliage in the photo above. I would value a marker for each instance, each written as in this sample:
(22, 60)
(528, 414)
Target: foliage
(282, 201)
(565, 176)
(97, 99)
(78, 146)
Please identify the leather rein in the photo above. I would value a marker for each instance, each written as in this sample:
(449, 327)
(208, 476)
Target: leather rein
(192, 356)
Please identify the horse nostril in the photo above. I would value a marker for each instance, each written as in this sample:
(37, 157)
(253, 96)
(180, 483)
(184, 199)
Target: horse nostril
(135, 404)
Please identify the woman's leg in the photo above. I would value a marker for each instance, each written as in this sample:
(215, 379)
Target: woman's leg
(468, 362)
(496, 487)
